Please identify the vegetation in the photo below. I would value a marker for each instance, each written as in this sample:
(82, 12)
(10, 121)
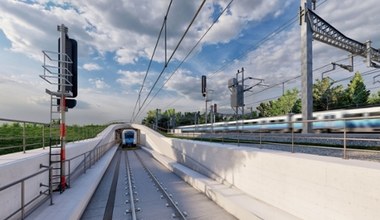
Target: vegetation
(12, 135)
(326, 96)
(287, 103)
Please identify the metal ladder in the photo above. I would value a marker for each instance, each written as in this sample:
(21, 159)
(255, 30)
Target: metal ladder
(53, 75)
(55, 156)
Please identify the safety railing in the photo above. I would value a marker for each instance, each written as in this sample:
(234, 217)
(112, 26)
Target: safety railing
(19, 135)
(342, 141)
(23, 203)
(86, 161)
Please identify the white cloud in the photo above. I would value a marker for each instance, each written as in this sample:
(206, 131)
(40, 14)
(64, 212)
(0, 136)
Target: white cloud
(28, 33)
(119, 27)
(230, 24)
(126, 31)
(99, 106)
(130, 78)
(185, 84)
(126, 56)
(99, 83)
(91, 66)
(23, 100)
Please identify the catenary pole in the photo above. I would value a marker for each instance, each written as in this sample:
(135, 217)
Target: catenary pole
(306, 66)
(62, 86)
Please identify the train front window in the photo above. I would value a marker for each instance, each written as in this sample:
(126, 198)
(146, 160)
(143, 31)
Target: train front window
(129, 135)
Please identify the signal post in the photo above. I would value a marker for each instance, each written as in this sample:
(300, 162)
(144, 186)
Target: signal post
(60, 69)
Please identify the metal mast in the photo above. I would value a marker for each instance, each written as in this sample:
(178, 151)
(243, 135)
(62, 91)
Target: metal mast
(306, 67)
(62, 107)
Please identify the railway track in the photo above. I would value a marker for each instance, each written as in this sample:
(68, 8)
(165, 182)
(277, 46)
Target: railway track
(138, 187)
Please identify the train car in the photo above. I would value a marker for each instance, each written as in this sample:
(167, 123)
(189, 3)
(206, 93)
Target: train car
(351, 120)
(129, 138)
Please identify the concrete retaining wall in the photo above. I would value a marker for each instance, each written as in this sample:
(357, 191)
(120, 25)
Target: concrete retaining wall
(306, 186)
(16, 166)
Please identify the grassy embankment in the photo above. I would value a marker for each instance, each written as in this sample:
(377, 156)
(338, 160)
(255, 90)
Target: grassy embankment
(12, 135)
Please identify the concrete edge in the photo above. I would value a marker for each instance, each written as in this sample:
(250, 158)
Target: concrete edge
(92, 184)
(72, 203)
(231, 199)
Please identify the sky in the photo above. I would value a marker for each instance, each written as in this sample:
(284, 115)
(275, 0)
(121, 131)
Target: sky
(116, 39)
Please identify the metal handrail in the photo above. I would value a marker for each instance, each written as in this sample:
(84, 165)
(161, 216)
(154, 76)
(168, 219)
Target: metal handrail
(99, 151)
(22, 182)
(23, 136)
(23, 121)
(88, 160)
(23, 140)
(261, 127)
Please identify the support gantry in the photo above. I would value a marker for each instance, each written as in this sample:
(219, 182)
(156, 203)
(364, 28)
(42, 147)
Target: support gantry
(314, 27)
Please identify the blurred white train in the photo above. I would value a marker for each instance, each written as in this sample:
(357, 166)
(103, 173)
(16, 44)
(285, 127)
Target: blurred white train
(353, 120)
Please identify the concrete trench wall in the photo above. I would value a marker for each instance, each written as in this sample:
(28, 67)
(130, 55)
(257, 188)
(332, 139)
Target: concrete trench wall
(306, 186)
(16, 166)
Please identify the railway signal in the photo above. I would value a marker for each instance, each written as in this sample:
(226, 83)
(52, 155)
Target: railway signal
(60, 68)
(71, 49)
(204, 86)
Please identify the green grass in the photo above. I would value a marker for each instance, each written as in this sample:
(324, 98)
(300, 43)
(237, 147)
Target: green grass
(11, 135)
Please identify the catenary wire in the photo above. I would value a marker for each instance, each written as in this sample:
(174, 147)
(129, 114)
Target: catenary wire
(151, 59)
(188, 54)
(266, 38)
(174, 51)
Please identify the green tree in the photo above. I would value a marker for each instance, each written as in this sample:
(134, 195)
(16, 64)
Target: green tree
(251, 115)
(374, 99)
(150, 118)
(264, 109)
(321, 94)
(297, 107)
(356, 92)
(287, 103)
(326, 96)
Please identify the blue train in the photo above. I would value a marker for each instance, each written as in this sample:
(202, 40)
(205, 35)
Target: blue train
(352, 120)
(129, 138)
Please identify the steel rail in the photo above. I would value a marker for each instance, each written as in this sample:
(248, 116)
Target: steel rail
(179, 213)
(131, 198)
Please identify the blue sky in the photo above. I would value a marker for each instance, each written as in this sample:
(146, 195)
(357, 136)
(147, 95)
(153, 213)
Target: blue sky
(116, 39)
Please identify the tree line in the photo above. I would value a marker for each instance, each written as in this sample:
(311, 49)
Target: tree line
(327, 95)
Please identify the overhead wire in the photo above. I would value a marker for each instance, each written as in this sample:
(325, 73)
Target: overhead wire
(366, 73)
(189, 53)
(262, 41)
(151, 58)
(266, 38)
(255, 46)
(269, 36)
(294, 78)
(174, 51)
(319, 68)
